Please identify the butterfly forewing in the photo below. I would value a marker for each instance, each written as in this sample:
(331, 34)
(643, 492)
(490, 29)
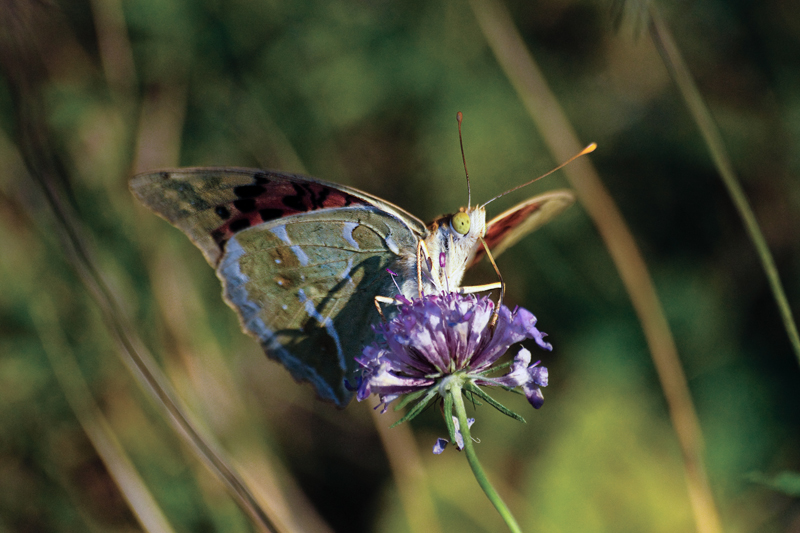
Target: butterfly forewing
(504, 230)
(302, 270)
(212, 204)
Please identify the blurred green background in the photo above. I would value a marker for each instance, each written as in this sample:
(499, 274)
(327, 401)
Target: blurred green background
(364, 93)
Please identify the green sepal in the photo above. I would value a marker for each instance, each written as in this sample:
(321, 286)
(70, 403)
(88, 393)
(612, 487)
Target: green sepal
(494, 383)
(474, 389)
(417, 409)
(494, 368)
(472, 399)
(408, 398)
(448, 416)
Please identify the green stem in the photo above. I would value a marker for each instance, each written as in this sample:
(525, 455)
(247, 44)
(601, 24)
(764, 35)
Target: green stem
(711, 135)
(477, 469)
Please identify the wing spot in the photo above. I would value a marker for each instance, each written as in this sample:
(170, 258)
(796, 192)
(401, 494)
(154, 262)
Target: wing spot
(239, 225)
(301, 256)
(349, 200)
(218, 235)
(245, 205)
(296, 201)
(280, 232)
(261, 178)
(222, 212)
(270, 213)
(391, 244)
(249, 191)
(347, 234)
(319, 200)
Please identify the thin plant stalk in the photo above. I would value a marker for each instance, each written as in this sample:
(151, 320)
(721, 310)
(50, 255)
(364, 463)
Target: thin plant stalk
(408, 472)
(525, 76)
(680, 73)
(97, 428)
(475, 465)
(19, 59)
(141, 363)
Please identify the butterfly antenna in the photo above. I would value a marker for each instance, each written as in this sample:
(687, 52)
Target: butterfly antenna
(459, 118)
(588, 150)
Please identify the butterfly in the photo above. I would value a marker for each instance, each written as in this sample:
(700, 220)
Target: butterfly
(302, 260)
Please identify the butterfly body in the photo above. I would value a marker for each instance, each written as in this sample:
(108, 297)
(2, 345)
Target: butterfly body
(301, 260)
(457, 250)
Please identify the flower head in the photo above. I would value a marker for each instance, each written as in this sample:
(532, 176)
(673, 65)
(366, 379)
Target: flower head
(445, 336)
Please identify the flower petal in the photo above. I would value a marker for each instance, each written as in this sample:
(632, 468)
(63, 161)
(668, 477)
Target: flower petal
(440, 445)
(534, 395)
(459, 437)
(519, 373)
(379, 379)
(538, 374)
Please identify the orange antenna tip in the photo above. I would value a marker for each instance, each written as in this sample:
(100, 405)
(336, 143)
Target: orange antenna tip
(588, 150)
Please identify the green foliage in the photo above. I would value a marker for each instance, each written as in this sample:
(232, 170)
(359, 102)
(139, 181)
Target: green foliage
(365, 93)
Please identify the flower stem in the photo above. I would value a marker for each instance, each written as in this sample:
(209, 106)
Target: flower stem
(477, 469)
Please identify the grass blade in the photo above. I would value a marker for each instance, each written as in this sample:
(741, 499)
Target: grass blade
(708, 129)
(558, 134)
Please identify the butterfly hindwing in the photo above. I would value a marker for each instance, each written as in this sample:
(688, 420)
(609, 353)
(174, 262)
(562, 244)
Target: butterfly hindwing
(305, 287)
(303, 283)
(504, 230)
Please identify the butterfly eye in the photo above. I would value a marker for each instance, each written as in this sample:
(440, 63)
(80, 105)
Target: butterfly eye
(460, 223)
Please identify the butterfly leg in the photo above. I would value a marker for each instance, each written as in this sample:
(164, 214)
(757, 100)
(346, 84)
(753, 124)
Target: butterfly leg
(472, 289)
(422, 251)
(383, 300)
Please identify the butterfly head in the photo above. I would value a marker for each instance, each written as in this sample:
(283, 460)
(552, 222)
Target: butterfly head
(457, 237)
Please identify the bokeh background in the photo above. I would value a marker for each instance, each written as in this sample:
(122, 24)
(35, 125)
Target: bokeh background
(364, 93)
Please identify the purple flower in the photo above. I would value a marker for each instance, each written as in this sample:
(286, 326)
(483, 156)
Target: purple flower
(448, 334)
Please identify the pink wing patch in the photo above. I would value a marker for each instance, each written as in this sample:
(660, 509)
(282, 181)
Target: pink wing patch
(270, 197)
(501, 226)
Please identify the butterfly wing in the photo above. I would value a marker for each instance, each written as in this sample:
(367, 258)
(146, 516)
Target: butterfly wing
(508, 227)
(300, 260)
(212, 204)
